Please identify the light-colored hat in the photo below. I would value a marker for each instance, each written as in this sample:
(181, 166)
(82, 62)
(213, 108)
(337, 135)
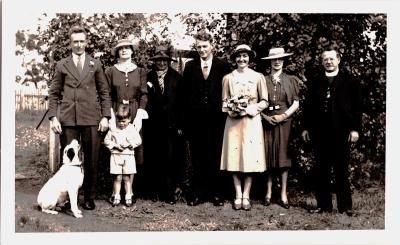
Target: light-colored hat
(275, 53)
(120, 43)
(243, 48)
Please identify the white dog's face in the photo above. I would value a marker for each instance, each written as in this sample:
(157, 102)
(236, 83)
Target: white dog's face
(65, 183)
(72, 154)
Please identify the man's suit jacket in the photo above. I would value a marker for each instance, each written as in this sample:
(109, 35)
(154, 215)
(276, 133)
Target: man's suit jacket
(203, 97)
(346, 107)
(82, 99)
(163, 107)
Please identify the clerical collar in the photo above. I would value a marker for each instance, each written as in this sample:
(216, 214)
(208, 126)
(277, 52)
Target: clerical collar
(332, 74)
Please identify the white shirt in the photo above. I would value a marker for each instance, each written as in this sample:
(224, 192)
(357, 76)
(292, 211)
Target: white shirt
(207, 63)
(75, 59)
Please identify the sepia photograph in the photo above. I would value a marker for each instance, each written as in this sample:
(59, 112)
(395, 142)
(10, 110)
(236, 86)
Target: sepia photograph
(185, 124)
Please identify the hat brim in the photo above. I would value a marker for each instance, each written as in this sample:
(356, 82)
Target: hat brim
(115, 49)
(277, 56)
(162, 58)
(251, 53)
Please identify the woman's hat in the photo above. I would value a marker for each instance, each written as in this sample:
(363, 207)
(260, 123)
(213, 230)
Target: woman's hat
(243, 48)
(120, 43)
(162, 53)
(275, 53)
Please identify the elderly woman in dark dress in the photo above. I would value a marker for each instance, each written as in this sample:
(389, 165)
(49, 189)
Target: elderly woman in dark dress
(128, 84)
(283, 101)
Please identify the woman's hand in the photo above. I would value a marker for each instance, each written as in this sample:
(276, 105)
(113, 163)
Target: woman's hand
(252, 110)
(268, 119)
(232, 114)
(279, 118)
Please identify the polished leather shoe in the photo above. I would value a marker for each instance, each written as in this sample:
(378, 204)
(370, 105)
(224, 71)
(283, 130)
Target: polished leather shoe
(283, 204)
(267, 201)
(218, 202)
(319, 210)
(89, 205)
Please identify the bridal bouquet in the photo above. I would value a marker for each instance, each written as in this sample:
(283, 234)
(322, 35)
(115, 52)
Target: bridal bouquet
(238, 104)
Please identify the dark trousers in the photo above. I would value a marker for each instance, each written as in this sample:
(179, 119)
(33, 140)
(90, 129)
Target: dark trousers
(165, 164)
(205, 141)
(90, 139)
(333, 151)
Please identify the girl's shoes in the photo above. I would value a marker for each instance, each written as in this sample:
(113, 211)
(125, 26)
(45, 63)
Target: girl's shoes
(246, 205)
(116, 202)
(237, 203)
(128, 202)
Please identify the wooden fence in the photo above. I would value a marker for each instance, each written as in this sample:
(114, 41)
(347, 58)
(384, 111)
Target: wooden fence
(30, 100)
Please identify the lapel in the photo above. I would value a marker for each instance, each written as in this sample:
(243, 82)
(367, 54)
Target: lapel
(71, 67)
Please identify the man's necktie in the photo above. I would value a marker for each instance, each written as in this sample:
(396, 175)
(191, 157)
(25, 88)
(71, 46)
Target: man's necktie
(161, 83)
(205, 72)
(79, 65)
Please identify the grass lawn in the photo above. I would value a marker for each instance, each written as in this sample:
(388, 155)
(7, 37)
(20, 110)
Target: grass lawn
(32, 171)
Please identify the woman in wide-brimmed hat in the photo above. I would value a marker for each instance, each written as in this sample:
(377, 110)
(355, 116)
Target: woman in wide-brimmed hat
(128, 85)
(283, 101)
(244, 96)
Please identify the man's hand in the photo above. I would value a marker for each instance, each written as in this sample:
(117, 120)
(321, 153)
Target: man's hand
(305, 135)
(353, 137)
(268, 119)
(103, 125)
(55, 125)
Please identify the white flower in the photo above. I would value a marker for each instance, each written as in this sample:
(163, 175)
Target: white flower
(91, 63)
(149, 84)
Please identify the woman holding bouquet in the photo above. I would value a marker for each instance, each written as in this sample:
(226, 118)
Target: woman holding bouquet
(244, 95)
(283, 102)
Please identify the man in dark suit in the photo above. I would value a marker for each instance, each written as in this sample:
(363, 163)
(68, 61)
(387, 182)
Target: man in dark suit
(79, 91)
(203, 119)
(332, 123)
(162, 132)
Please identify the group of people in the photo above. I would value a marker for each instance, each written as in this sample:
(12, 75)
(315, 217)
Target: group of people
(236, 123)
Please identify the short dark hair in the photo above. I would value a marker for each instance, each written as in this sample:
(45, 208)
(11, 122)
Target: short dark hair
(202, 35)
(123, 111)
(76, 29)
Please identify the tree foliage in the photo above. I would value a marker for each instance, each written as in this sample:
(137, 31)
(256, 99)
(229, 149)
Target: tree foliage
(360, 38)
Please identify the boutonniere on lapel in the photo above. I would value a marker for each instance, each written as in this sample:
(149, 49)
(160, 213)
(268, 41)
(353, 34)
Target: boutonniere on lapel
(150, 84)
(91, 66)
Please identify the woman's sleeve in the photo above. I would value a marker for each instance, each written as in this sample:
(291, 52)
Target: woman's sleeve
(262, 93)
(109, 78)
(293, 89)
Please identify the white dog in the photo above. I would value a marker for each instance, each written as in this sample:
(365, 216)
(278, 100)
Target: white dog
(65, 183)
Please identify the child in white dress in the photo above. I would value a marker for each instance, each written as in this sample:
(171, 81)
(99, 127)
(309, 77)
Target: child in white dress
(122, 140)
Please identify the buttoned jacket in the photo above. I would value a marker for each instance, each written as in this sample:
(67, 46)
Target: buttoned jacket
(82, 99)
